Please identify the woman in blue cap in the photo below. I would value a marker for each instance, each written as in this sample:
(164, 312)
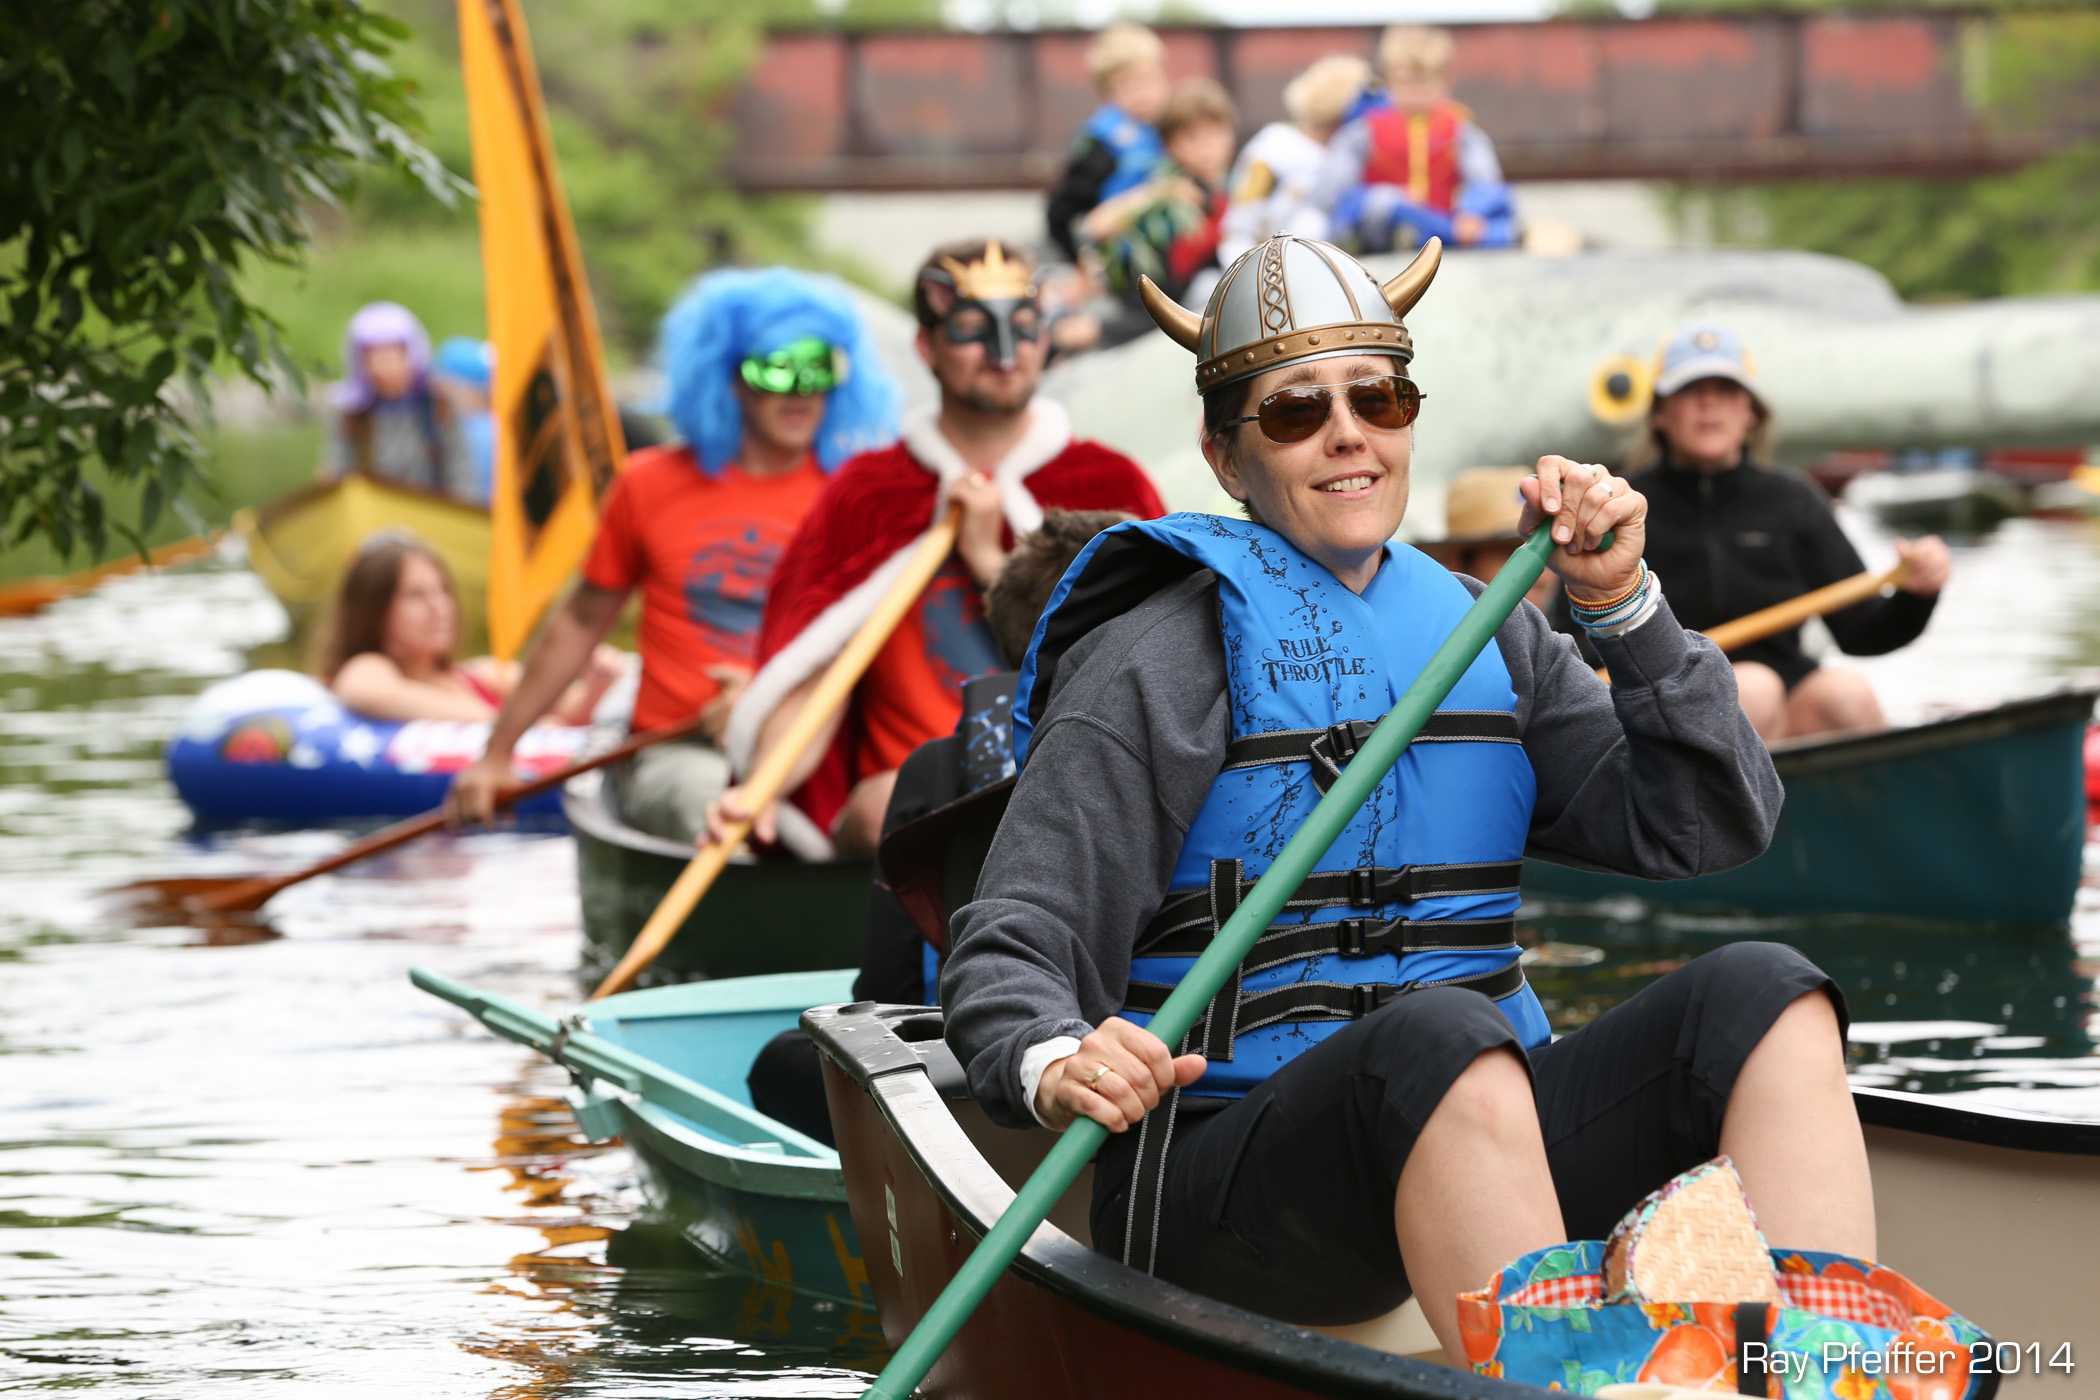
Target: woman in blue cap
(773, 383)
(1733, 535)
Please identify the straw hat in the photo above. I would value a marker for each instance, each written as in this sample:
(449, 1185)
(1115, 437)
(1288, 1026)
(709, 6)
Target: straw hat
(1482, 504)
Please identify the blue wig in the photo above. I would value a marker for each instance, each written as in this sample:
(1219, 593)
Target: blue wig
(730, 314)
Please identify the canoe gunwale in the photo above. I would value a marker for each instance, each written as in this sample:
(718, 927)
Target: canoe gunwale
(274, 511)
(654, 1129)
(916, 1110)
(1829, 753)
(610, 1070)
(1984, 1125)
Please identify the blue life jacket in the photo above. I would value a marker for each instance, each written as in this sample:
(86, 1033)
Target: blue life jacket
(1136, 144)
(1421, 887)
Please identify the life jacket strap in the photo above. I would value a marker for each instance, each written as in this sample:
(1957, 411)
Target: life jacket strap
(1325, 1001)
(1348, 938)
(1329, 750)
(1365, 887)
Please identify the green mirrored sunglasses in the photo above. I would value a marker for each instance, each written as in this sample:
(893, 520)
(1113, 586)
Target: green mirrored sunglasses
(806, 366)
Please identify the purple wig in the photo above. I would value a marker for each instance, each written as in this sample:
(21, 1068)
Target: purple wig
(379, 323)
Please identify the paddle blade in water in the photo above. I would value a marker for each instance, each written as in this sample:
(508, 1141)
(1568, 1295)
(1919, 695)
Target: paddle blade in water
(224, 909)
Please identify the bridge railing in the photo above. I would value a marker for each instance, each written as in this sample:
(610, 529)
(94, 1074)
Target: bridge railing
(1674, 98)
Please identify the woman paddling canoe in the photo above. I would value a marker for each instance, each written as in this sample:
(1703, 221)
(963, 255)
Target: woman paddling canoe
(1378, 1109)
(1742, 536)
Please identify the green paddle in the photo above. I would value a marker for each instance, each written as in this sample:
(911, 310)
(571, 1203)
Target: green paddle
(1185, 1007)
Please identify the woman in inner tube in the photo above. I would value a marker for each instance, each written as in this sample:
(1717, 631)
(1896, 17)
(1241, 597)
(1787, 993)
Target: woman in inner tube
(1380, 1108)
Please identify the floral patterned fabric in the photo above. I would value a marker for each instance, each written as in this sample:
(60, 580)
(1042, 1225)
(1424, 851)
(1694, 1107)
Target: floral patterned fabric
(1850, 1330)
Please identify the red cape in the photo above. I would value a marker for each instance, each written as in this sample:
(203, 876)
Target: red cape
(871, 514)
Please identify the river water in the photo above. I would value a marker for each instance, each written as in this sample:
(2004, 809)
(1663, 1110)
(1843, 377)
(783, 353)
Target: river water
(272, 1167)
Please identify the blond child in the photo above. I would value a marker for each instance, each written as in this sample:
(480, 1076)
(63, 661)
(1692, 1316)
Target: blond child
(1119, 148)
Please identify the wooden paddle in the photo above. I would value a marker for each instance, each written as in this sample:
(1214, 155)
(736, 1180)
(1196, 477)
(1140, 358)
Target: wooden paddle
(770, 778)
(1057, 1171)
(31, 595)
(194, 896)
(1780, 617)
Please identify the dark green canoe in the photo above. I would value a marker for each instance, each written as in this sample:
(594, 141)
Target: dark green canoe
(761, 916)
(1978, 819)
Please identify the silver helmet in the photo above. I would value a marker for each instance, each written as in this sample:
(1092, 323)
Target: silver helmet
(1288, 299)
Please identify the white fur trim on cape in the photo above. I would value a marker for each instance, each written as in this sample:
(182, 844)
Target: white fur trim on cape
(1049, 433)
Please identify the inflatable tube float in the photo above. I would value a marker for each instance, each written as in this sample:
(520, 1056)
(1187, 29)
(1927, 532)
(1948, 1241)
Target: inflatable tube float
(278, 746)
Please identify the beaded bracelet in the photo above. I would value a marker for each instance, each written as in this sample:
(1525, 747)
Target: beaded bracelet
(1612, 610)
(1617, 616)
(1640, 577)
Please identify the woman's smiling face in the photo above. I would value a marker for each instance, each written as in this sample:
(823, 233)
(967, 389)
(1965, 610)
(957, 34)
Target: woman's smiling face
(1340, 494)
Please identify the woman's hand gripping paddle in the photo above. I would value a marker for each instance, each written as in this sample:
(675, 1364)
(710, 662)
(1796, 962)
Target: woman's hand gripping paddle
(771, 775)
(1186, 1006)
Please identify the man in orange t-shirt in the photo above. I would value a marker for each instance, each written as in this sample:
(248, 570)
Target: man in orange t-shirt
(773, 384)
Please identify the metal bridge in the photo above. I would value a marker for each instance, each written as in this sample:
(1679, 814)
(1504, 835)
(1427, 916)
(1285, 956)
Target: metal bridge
(1727, 97)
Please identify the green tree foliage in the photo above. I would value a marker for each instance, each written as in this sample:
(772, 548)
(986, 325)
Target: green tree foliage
(637, 95)
(149, 151)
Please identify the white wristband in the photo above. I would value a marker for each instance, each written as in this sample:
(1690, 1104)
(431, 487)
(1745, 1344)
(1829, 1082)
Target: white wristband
(1037, 1058)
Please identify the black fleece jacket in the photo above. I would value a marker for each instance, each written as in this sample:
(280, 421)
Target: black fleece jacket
(1728, 543)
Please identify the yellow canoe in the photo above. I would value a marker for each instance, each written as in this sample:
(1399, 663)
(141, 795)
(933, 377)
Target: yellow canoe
(301, 543)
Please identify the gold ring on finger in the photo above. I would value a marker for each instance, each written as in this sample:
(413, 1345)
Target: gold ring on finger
(1097, 1075)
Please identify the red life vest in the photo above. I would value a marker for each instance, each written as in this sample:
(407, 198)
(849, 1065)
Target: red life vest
(1418, 151)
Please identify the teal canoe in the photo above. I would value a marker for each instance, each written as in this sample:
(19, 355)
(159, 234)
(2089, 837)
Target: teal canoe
(664, 1069)
(779, 915)
(1978, 819)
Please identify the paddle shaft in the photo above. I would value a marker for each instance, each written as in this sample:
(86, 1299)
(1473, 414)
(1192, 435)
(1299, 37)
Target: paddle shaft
(1780, 617)
(252, 893)
(1186, 1005)
(770, 779)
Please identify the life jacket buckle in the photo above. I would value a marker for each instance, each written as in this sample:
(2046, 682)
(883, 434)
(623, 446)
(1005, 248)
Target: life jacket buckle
(1332, 751)
(1363, 887)
(1366, 890)
(1344, 739)
(1367, 997)
(1362, 938)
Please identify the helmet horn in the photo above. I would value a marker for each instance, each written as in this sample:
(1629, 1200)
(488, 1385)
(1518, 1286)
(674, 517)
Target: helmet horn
(1405, 290)
(1181, 324)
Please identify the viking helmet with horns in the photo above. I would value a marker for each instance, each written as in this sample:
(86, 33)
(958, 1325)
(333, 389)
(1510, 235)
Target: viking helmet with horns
(1288, 299)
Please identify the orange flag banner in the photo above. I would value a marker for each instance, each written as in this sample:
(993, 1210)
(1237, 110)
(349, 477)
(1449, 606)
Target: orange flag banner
(558, 437)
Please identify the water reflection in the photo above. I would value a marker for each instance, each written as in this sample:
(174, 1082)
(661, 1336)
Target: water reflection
(1999, 1015)
(278, 1163)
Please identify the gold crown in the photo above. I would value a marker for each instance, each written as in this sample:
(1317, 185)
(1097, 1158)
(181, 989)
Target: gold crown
(994, 277)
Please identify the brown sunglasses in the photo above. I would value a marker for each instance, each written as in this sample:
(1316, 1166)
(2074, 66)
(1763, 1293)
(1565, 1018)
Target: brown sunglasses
(1386, 401)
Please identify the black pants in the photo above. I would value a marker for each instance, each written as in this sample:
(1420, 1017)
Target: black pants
(1283, 1202)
